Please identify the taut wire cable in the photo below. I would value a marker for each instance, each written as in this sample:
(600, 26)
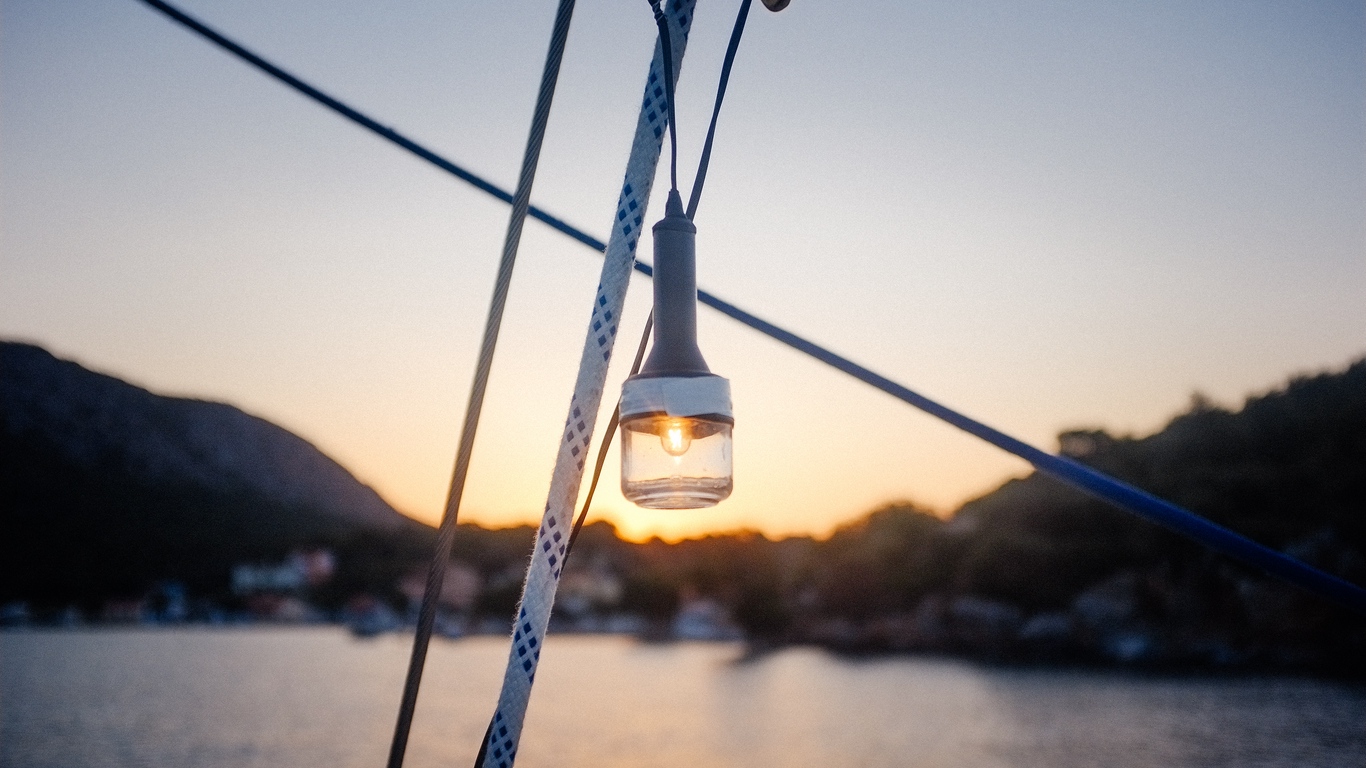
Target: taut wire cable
(446, 533)
(1108, 489)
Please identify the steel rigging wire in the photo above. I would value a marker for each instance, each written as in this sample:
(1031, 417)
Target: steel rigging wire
(1076, 474)
(446, 533)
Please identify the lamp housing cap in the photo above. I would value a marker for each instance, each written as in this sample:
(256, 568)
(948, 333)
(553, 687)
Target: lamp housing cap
(675, 351)
(700, 397)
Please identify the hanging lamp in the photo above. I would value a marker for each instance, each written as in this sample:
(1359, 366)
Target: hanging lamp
(675, 414)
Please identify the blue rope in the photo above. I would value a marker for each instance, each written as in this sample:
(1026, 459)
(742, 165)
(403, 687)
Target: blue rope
(366, 122)
(1123, 495)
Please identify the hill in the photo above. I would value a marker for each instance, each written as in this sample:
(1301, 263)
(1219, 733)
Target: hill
(1035, 570)
(106, 487)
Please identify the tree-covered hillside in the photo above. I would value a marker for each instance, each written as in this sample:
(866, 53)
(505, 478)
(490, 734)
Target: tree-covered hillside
(1038, 570)
(107, 490)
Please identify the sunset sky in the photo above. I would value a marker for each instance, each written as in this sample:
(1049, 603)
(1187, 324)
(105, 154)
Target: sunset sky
(1047, 215)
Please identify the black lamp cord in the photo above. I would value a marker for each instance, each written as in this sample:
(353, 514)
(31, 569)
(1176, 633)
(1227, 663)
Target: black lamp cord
(693, 200)
(666, 49)
(701, 178)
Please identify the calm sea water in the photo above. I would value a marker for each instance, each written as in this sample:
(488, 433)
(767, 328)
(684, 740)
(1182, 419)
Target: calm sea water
(318, 697)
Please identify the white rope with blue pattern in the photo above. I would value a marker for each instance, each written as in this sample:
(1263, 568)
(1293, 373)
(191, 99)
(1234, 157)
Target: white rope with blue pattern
(543, 574)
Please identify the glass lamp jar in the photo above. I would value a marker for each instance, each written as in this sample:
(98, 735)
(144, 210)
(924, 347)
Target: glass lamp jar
(676, 441)
(675, 462)
(675, 414)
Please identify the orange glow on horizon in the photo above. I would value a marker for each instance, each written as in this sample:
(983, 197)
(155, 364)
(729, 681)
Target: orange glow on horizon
(638, 525)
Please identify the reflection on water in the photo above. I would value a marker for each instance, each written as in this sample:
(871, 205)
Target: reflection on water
(317, 697)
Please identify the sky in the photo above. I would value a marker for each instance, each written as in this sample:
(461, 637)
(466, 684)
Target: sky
(1047, 215)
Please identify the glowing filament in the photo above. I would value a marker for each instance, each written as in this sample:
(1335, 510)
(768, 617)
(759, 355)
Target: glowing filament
(676, 437)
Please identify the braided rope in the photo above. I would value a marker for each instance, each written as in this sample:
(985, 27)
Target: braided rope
(552, 540)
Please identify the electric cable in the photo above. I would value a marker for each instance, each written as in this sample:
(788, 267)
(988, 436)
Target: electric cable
(446, 533)
(666, 45)
(1099, 485)
(607, 439)
(731, 48)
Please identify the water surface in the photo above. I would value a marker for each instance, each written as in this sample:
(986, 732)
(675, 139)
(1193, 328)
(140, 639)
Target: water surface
(318, 697)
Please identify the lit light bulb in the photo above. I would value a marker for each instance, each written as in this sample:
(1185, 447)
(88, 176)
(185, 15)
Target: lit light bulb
(676, 437)
(675, 462)
(675, 413)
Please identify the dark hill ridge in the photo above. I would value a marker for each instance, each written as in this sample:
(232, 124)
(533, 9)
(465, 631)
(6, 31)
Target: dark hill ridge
(1288, 470)
(106, 487)
(1037, 571)
(94, 421)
